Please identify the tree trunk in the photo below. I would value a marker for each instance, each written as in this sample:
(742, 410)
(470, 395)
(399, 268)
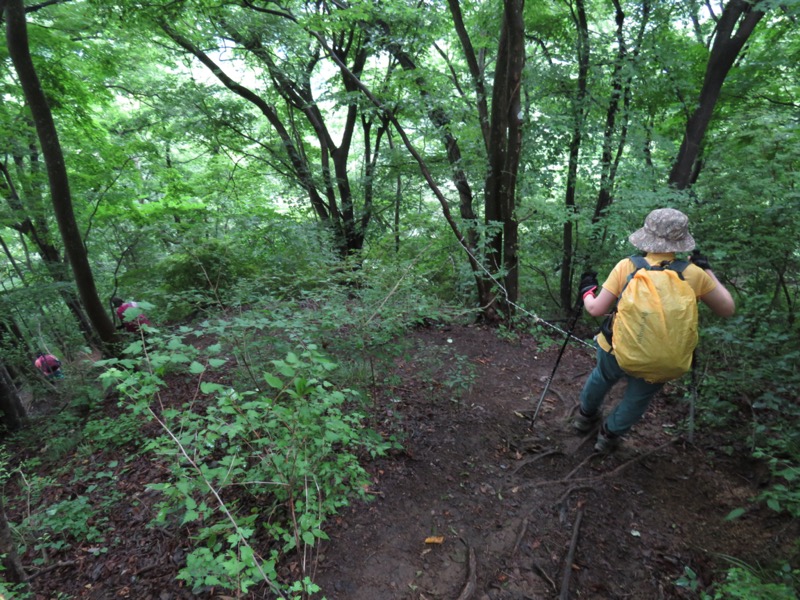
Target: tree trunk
(728, 42)
(505, 143)
(620, 102)
(579, 112)
(438, 116)
(13, 415)
(12, 342)
(17, 40)
(14, 572)
(330, 195)
(11, 562)
(465, 241)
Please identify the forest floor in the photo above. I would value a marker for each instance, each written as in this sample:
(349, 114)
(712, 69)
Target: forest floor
(481, 504)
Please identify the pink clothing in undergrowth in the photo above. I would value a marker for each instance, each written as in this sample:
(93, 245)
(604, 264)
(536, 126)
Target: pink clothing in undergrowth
(47, 364)
(133, 324)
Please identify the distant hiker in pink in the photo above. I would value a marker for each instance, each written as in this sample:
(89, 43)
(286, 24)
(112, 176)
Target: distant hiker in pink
(49, 365)
(133, 321)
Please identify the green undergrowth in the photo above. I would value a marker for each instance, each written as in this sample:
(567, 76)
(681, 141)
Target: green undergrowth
(748, 389)
(746, 582)
(747, 381)
(261, 456)
(270, 441)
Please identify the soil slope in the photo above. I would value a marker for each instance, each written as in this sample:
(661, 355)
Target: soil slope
(529, 511)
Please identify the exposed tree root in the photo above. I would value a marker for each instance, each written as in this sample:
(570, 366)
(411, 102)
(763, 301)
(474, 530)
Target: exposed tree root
(610, 474)
(571, 411)
(567, 494)
(543, 574)
(557, 394)
(590, 436)
(564, 595)
(580, 466)
(533, 459)
(520, 535)
(472, 577)
(591, 480)
(553, 391)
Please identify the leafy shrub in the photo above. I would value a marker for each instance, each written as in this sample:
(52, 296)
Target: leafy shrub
(251, 464)
(750, 392)
(744, 584)
(18, 591)
(291, 258)
(200, 276)
(213, 265)
(64, 523)
(120, 430)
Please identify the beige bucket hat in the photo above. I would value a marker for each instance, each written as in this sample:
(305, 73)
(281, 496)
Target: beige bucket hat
(665, 230)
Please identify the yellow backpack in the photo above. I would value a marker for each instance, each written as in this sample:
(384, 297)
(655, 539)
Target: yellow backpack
(653, 330)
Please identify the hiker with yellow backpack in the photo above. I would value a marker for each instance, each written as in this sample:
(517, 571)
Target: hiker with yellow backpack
(650, 330)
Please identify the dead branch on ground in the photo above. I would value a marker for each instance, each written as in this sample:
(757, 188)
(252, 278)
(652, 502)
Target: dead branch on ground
(610, 474)
(53, 567)
(567, 494)
(520, 535)
(570, 557)
(533, 459)
(543, 574)
(472, 577)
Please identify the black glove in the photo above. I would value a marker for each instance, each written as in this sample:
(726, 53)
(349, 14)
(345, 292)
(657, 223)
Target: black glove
(698, 259)
(587, 284)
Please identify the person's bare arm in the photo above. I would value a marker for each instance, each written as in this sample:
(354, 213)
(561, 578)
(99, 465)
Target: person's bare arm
(719, 299)
(599, 305)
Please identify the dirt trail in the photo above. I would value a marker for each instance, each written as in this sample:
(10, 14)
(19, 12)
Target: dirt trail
(511, 503)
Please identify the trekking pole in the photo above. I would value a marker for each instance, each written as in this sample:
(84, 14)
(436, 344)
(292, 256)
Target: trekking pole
(693, 399)
(578, 310)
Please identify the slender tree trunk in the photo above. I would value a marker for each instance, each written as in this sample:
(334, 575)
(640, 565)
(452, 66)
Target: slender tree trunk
(11, 562)
(13, 415)
(17, 40)
(398, 198)
(607, 172)
(505, 144)
(728, 42)
(620, 102)
(579, 112)
(440, 119)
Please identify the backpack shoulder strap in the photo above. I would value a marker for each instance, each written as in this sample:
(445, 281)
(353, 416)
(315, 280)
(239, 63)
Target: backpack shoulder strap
(679, 266)
(639, 262)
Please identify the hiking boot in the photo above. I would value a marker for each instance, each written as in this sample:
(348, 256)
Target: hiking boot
(606, 441)
(585, 423)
